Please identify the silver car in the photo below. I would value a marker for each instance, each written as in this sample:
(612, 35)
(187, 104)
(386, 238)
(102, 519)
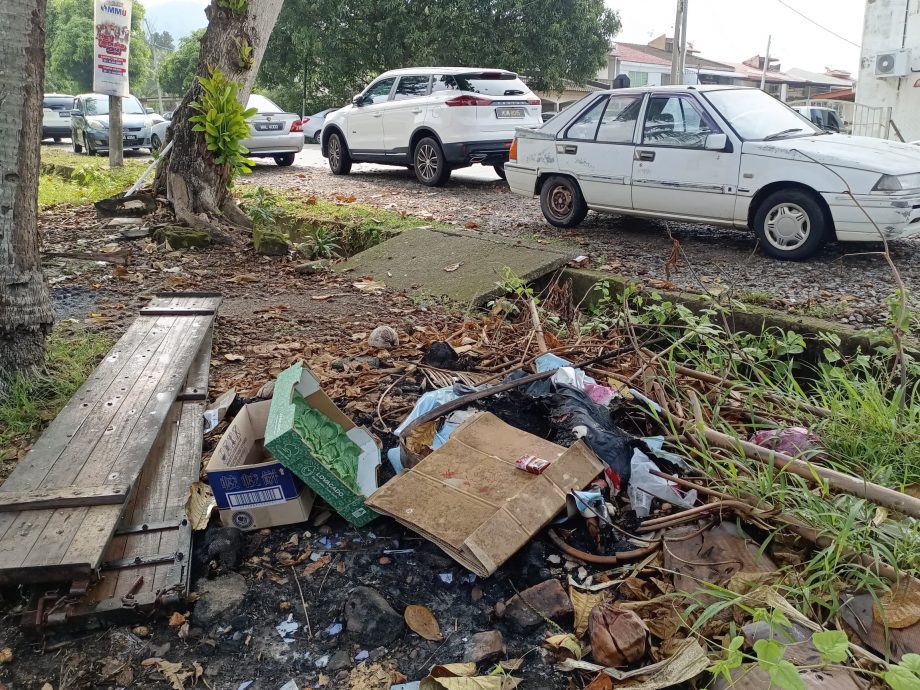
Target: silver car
(313, 125)
(273, 133)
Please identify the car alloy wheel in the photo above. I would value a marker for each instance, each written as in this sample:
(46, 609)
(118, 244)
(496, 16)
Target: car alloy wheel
(560, 200)
(335, 152)
(787, 226)
(317, 138)
(155, 142)
(427, 161)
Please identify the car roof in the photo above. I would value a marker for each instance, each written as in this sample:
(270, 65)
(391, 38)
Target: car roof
(57, 95)
(679, 89)
(101, 95)
(442, 70)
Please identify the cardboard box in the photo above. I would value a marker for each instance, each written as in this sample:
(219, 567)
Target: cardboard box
(252, 489)
(470, 499)
(284, 443)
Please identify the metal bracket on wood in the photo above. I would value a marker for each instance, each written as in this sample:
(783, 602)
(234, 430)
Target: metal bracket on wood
(151, 527)
(155, 311)
(144, 560)
(192, 395)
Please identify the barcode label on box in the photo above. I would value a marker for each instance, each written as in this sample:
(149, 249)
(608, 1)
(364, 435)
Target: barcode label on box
(272, 494)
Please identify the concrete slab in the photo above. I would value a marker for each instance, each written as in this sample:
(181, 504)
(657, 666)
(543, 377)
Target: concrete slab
(423, 260)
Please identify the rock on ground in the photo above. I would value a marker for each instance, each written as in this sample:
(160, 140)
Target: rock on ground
(531, 607)
(218, 597)
(370, 620)
(485, 646)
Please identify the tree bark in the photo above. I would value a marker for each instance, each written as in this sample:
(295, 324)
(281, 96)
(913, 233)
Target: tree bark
(25, 307)
(197, 188)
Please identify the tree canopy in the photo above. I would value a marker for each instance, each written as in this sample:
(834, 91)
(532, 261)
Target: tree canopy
(339, 45)
(177, 70)
(69, 33)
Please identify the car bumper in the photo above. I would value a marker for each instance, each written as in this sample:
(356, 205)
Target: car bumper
(871, 217)
(521, 180)
(137, 140)
(56, 130)
(485, 152)
(274, 145)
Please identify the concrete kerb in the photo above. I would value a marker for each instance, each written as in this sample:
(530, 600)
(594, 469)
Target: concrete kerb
(752, 319)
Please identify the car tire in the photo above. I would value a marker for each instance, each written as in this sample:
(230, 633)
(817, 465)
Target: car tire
(77, 148)
(155, 143)
(285, 160)
(500, 171)
(790, 225)
(339, 158)
(318, 137)
(57, 140)
(562, 202)
(431, 168)
(90, 149)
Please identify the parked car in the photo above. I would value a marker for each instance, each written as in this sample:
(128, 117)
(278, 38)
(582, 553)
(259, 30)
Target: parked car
(432, 119)
(273, 133)
(56, 109)
(313, 125)
(826, 118)
(89, 123)
(720, 155)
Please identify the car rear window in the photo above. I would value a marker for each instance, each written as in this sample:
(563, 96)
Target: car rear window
(262, 104)
(486, 83)
(58, 102)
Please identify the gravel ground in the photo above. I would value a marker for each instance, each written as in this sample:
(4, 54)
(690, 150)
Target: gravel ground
(840, 283)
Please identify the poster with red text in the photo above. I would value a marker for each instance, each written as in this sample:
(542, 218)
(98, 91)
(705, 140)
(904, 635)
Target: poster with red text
(113, 38)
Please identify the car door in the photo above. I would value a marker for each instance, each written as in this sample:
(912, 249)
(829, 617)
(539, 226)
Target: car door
(597, 149)
(673, 172)
(78, 122)
(365, 121)
(404, 112)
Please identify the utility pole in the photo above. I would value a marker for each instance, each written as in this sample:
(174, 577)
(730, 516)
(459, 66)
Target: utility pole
(766, 64)
(116, 142)
(679, 43)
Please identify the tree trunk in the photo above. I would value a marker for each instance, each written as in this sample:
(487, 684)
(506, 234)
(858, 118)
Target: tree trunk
(25, 308)
(197, 188)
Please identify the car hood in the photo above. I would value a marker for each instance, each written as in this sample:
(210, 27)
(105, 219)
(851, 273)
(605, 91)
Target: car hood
(126, 120)
(842, 150)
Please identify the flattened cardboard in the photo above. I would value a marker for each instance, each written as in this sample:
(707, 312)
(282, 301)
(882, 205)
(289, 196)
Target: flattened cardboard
(252, 489)
(470, 499)
(286, 445)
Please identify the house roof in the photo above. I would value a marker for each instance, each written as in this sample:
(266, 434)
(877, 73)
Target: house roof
(840, 95)
(654, 56)
(818, 78)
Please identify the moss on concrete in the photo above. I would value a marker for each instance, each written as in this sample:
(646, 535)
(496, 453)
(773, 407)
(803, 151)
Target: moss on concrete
(182, 238)
(269, 242)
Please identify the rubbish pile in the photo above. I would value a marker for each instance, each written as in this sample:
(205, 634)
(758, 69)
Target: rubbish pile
(623, 482)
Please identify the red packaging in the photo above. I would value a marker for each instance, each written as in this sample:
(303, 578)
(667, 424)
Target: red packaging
(532, 464)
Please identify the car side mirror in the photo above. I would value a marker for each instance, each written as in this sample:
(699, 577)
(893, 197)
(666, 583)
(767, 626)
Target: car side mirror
(358, 100)
(716, 142)
(75, 113)
(149, 111)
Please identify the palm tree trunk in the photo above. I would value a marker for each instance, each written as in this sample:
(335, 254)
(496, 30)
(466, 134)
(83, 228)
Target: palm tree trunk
(197, 188)
(25, 308)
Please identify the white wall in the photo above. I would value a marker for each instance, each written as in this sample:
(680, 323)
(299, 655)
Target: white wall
(884, 30)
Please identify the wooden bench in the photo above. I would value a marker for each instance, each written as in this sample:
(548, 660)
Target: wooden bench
(62, 504)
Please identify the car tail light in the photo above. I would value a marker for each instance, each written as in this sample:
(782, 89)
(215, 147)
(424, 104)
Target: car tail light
(534, 101)
(512, 152)
(296, 126)
(304, 121)
(467, 100)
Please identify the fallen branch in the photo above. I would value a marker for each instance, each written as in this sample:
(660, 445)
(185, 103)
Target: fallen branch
(537, 326)
(119, 258)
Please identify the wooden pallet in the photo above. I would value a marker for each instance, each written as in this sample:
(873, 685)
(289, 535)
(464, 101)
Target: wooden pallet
(102, 439)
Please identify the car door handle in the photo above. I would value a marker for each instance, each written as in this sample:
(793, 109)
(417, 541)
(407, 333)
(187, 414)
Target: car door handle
(645, 155)
(376, 115)
(566, 148)
(417, 111)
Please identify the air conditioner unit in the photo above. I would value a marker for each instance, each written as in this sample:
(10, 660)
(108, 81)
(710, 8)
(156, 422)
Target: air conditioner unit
(895, 63)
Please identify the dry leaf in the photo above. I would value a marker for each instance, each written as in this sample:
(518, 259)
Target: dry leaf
(369, 285)
(471, 225)
(466, 683)
(244, 278)
(176, 619)
(912, 490)
(313, 567)
(421, 621)
(602, 682)
(453, 267)
(881, 514)
(565, 641)
(635, 588)
(345, 199)
(199, 505)
(321, 298)
(901, 604)
(231, 357)
(583, 602)
(174, 673)
(451, 670)
(6, 655)
(311, 200)
(151, 661)
(420, 438)
(512, 664)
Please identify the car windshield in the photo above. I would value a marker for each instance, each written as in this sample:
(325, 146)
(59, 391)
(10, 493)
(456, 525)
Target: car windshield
(757, 115)
(99, 105)
(262, 104)
(486, 83)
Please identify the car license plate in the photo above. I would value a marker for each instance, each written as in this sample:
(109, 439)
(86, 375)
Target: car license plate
(509, 112)
(63, 114)
(269, 127)
(128, 138)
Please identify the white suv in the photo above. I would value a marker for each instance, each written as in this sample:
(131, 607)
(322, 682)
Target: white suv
(433, 120)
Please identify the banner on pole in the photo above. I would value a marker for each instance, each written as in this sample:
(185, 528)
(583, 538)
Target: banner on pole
(113, 39)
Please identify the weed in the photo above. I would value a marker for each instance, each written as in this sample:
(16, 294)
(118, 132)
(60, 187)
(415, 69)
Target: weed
(824, 310)
(222, 118)
(32, 400)
(756, 297)
(260, 205)
(321, 245)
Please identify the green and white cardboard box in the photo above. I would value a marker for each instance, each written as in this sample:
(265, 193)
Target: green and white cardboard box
(286, 445)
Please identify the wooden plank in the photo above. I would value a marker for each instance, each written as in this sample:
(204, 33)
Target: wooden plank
(177, 312)
(71, 497)
(196, 383)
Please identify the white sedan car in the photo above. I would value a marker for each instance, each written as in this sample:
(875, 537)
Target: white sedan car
(720, 155)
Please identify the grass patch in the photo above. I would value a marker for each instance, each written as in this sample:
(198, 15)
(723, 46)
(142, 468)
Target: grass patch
(315, 208)
(824, 310)
(91, 181)
(34, 400)
(756, 297)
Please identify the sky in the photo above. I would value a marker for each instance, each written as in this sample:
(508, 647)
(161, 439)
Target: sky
(734, 30)
(722, 30)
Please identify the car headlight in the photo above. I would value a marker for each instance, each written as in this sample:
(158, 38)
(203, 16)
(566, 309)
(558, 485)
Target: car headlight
(897, 183)
(148, 122)
(96, 124)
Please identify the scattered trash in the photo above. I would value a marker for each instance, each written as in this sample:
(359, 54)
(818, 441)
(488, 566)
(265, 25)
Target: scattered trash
(245, 684)
(532, 464)
(287, 627)
(362, 655)
(459, 478)
(199, 506)
(322, 661)
(644, 486)
(290, 685)
(796, 441)
(217, 410)
(446, 578)
(334, 629)
(383, 338)
(618, 636)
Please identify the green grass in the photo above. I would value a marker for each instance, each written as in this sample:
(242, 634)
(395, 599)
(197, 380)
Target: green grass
(316, 208)
(32, 400)
(756, 297)
(92, 180)
(824, 310)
